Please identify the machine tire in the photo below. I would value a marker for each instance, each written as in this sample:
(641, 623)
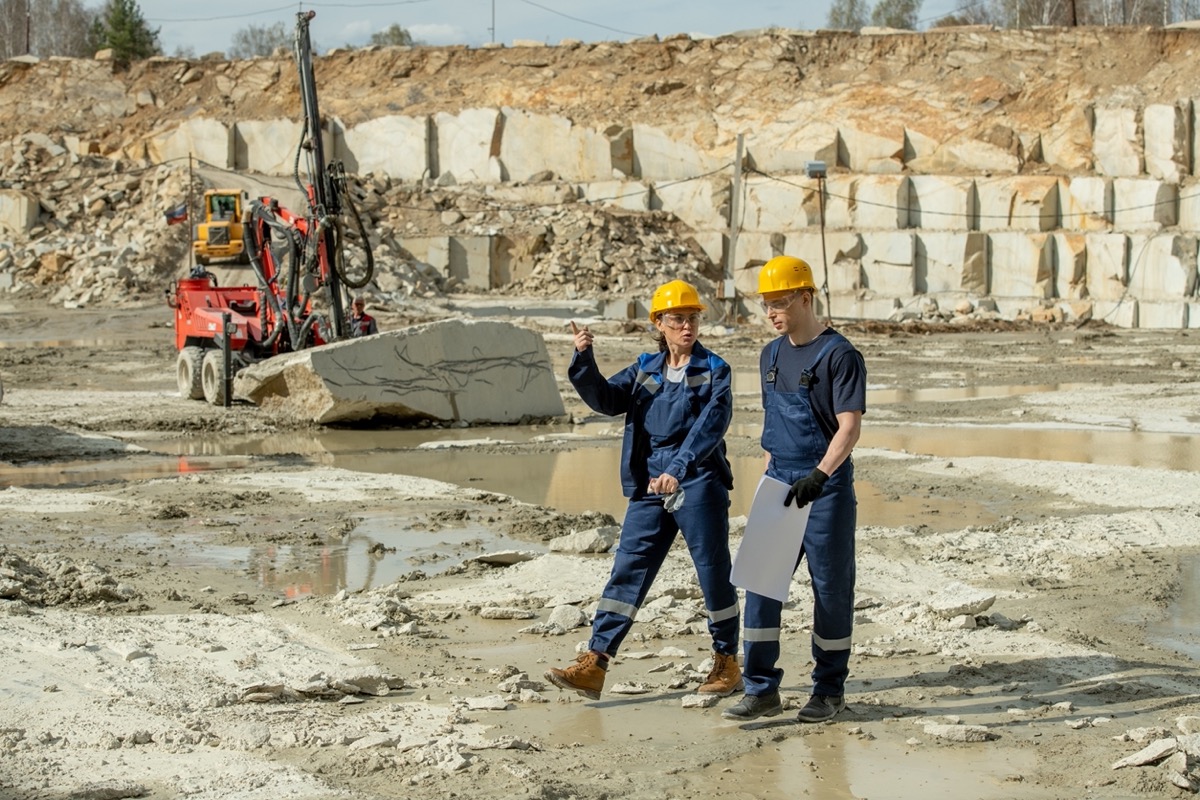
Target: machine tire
(187, 373)
(213, 377)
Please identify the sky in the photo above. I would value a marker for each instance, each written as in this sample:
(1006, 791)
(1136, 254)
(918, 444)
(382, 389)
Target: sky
(209, 26)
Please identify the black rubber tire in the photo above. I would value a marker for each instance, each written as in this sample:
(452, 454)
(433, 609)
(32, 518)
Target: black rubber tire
(212, 376)
(187, 373)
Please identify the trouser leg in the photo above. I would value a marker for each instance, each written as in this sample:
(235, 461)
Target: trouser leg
(830, 551)
(704, 523)
(760, 636)
(646, 537)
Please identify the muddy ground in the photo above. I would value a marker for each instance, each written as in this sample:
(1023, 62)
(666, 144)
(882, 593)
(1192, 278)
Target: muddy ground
(179, 617)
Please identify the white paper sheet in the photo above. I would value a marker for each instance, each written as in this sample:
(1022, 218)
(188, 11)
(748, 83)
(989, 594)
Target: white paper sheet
(771, 544)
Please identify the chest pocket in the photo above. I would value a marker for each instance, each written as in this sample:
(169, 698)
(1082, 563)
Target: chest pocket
(672, 408)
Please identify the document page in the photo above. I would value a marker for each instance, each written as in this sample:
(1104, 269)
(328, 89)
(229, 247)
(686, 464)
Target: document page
(771, 543)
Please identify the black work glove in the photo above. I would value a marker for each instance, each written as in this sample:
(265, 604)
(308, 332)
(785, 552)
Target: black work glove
(807, 489)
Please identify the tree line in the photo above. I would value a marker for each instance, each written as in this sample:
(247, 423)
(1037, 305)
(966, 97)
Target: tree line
(906, 14)
(45, 28)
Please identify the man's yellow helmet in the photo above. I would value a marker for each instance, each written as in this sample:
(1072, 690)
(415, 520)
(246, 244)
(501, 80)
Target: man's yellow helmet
(785, 274)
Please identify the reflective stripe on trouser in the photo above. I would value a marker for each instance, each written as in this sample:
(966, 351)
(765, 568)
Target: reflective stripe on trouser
(646, 538)
(829, 552)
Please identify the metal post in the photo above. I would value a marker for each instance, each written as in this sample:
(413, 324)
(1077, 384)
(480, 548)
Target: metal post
(191, 219)
(824, 256)
(227, 331)
(734, 215)
(492, 30)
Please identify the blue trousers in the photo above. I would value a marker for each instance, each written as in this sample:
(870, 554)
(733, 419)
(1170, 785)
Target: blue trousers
(646, 537)
(829, 550)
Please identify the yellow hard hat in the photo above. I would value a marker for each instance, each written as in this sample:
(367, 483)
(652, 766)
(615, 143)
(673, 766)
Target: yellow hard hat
(674, 295)
(785, 274)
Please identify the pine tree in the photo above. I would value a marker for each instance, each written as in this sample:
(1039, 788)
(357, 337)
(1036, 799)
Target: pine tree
(850, 15)
(394, 36)
(122, 28)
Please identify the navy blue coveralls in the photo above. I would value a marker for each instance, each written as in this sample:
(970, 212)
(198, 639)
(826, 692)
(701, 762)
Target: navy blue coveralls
(796, 443)
(676, 428)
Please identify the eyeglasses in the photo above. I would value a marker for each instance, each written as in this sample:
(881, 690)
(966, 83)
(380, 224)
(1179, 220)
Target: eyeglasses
(675, 321)
(779, 303)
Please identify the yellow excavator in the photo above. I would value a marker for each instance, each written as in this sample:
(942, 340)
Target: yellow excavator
(220, 234)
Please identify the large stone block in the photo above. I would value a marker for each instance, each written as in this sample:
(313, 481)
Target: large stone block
(1193, 315)
(269, 146)
(468, 145)
(865, 305)
(698, 203)
(1171, 314)
(889, 262)
(1025, 203)
(879, 152)
(1067, 145)
(1022, 265)
(1141, 204)
(1115, 142)
(660, 156)
(1162, 267)
(1087, 203)
(752, 251)
(965, 155)
(206, 140)
(1070, 265)
(1167, 132)
(18, 211)
(470, 261)
(786, 145)
(395, 146)
(532, 143)
(1122, 313)
(1189, 205)
(451, 371)
(1107, 265)
(432, 250)
(941, 203)
(777, 205)
(878, 201)
(951, 261)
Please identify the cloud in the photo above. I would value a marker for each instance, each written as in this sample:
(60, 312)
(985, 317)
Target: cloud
(357, 31)
(437, 34)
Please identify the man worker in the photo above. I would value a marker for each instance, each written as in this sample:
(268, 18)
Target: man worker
(814, 395)
(361, 323)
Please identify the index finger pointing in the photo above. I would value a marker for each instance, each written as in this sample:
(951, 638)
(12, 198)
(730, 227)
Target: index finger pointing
(574, 328)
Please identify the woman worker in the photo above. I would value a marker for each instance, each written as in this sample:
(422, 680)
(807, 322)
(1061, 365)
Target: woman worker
(677, 405)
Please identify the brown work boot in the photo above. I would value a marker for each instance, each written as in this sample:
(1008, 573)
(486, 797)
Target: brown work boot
(585, 676)
(725, 678)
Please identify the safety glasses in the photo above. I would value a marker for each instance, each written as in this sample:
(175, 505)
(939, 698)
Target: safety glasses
(676, 321)
(779, 303)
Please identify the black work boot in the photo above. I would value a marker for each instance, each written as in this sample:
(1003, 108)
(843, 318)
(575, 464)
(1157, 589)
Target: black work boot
(754, 706)
(821, 707)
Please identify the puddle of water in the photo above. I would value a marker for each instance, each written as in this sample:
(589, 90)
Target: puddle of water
(945, 394)
(11, 343)
(82, 473)
(832, 766)
(300, 571)
(1180, 631)
(1117, 448)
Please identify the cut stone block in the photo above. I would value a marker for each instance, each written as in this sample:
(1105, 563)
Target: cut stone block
(1193, 315)
(1022, 265)
(843, 249)
(1167, 131)
(659, 156)
(468, 145)
(1115, 142)
(450, 371)
(695, 202)
(1189, 205)
(18, 211)
(1162, 267)
(941, 203)
(871, 152)
(396, 146)
(207, 140)
(966, 155)
(1070, 265)
(776, 205)
(269, 146)
(1122, 313)
(786, 145)
(470, 261)
(1067, 145)
(864, 305)
(1017, 203)
(888, 263)
(1144, 204)
(1107, 265)
(951, 261)
(1167, 314)
(1087, 203)
(532, 143)
(878, 201)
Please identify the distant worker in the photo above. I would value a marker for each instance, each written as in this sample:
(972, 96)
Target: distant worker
(361, 323)
(814, 396)
(677, 405)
